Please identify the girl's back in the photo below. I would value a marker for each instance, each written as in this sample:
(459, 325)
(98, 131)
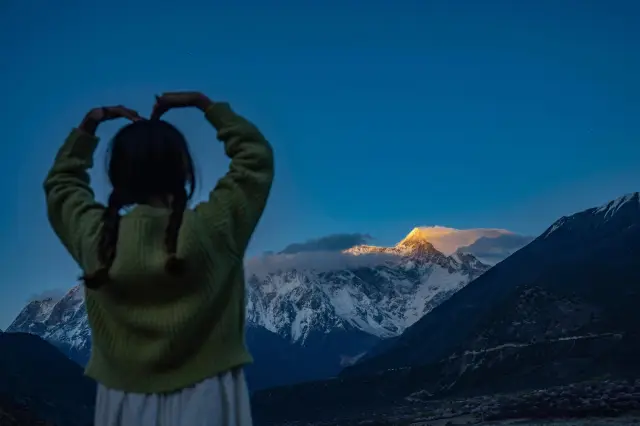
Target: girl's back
(165, 284)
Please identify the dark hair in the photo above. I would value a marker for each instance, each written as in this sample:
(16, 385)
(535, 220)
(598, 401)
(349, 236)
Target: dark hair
(148, 159)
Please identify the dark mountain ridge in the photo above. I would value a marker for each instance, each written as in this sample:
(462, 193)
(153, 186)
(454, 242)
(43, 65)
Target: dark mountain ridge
(39, 383)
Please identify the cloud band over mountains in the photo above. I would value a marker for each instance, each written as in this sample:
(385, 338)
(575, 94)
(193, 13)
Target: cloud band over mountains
(334, 242)
(326, 253)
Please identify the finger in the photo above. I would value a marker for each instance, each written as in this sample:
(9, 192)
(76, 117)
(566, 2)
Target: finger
(154, 110)
(159, 108)
(125, 112)
(120, 111)
(157, 112)
(133, 116)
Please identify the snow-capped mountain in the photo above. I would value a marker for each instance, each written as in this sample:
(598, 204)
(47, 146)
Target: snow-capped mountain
(563, 309)
(381, 300)
(330, 317)
(62, 322)
(488, 245)
(578, 279)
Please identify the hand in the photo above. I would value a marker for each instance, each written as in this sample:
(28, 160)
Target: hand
(171, 100)
(99, 115)
(111, 113)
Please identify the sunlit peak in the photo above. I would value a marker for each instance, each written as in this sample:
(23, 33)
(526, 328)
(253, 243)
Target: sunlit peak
(426, 233)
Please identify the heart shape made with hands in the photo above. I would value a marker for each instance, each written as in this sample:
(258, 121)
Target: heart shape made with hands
(164, 103)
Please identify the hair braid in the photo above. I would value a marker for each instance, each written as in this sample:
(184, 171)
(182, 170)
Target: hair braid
(107, 243)
(174, 265)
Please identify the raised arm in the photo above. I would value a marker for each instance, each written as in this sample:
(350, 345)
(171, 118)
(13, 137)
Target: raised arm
(236, 204)
(73, 212)
(238, 200)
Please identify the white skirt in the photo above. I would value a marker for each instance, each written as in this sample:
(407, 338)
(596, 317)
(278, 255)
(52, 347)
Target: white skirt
(218, 401)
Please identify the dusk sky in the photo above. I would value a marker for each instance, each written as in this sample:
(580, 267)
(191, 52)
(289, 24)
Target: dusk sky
(384, 115)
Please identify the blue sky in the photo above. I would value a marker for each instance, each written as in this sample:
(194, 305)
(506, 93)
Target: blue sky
(384, 115)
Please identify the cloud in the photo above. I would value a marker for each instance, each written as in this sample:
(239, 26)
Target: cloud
(448, 240)
(320, 254)
(334, 242)
(325, 253)
(494, 250)
(319, 261)
(53, 293)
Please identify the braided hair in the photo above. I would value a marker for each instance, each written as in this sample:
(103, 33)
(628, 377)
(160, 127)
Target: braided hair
(149, 159)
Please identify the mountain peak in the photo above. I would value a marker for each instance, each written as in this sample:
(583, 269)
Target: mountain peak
(625, 206)
(417, 242)
(433, 240)
(418, 234)
(610, 208)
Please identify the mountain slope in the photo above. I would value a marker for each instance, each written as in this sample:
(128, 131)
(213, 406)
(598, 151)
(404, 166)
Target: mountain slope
(37, 382)
(328, 318)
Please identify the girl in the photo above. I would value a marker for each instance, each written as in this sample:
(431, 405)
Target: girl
(164, 283)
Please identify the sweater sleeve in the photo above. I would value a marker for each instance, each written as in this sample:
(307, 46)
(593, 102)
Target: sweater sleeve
(73, 212)
(239, 198)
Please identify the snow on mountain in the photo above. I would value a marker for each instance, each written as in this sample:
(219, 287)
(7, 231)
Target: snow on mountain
(335, 315)
(611, 208)
(36, 312)
(382, 300)
(62, 322)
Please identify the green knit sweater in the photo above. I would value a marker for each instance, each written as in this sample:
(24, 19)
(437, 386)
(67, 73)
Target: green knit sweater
(153, 333)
